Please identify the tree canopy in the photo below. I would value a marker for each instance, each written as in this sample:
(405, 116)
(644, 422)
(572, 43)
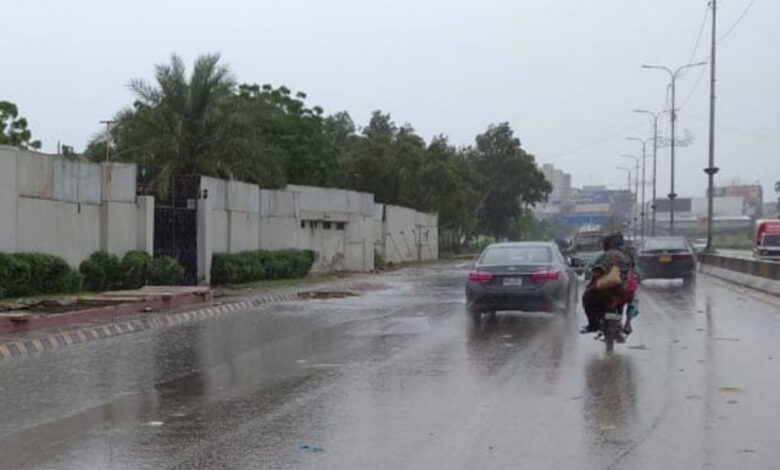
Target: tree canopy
(205, 123)
(13, 128)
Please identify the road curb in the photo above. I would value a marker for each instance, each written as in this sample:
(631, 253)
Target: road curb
(26, 323)
(762, 284)
(50, 342)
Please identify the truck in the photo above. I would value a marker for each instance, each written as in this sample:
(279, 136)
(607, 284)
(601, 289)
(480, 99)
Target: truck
(766, 240)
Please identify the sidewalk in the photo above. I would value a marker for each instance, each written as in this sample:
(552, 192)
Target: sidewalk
(61, 311)
(72, 321)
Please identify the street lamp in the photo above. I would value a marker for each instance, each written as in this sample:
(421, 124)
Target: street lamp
(673, 75)
(636, 191)
(655, 117)
(644, 158)
(628, 185)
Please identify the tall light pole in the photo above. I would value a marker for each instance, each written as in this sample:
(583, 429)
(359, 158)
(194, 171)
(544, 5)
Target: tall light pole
(636, 191)
(644, 164)
(711, 169)
(108, 124)
(673, 76)
(655, 117)
(628, 185)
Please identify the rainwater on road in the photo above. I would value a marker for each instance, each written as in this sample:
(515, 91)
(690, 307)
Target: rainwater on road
(400, 378)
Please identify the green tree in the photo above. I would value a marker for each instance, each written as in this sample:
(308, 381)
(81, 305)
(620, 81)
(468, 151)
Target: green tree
(179, 127)
(13, 128)
(509, 180)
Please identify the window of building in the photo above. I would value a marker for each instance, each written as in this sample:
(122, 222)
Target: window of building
(303, 224)
(340, 225)
(326, 225)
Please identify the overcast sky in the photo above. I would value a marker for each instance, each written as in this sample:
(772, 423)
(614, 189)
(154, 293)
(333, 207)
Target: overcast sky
(565, 73)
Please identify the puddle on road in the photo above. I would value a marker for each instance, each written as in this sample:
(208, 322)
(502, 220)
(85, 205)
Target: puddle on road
(324, 295)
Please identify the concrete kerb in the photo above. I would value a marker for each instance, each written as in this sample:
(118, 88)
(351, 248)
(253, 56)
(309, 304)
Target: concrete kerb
(769, 286)
(62, 339)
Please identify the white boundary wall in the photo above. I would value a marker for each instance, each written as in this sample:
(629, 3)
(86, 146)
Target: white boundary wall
(404, 235)
(336, 224)
(70, 208)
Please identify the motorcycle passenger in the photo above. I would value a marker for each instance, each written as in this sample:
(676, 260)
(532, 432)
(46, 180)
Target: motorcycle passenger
(596, 302)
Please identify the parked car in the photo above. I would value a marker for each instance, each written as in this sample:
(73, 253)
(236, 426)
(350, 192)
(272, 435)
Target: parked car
(525, 276)
(667, 258)
(583, 247)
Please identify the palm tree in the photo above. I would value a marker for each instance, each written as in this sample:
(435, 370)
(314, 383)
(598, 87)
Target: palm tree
(181, 126)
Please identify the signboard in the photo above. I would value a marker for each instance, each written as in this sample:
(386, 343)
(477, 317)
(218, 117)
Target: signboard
(680, 205)
(579, 220)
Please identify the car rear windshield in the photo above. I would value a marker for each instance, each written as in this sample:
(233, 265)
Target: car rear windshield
(517, 255)
(677, 244)
(589, 242)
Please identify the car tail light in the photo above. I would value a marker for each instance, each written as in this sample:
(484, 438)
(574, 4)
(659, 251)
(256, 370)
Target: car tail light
(546, 275)
(480, 276)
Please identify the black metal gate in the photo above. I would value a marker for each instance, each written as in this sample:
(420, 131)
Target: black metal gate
(176, 235)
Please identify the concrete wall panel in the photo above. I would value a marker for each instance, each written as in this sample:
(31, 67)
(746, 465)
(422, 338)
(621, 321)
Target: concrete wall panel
(243, 230)
(320, 199)
(8, 192)
(118, 182)
(278, 203)
(217, 192)
(76, 181)
(219, 231)
(243, 197)
(119, 227)
(59, 228)
(35, 175)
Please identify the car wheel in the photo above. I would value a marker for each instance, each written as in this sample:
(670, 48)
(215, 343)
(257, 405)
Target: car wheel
(689, 280)
(475, 313)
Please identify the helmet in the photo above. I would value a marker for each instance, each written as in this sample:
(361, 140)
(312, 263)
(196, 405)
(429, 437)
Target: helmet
(614, 240)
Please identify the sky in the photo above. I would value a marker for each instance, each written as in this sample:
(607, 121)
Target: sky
(565, 74)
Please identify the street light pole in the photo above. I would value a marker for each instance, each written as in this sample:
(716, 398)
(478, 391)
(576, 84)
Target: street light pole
(673, 75)
(653, 206)
(108, 124)
(628, 186)
(636, 192)
(644, 165)
(711, 169)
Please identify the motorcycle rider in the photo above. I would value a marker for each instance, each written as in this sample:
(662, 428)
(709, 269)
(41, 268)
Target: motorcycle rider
(596, 302)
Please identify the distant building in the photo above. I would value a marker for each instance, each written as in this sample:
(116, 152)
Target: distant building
(752, 196)
(560, 181)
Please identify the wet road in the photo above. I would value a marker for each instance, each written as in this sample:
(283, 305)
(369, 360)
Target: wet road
(399, 378)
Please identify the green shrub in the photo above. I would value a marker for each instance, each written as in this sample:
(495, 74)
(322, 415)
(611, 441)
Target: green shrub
(46, 272)
(135, 269)
(101, 271)
(250, 266)
(15, 276)
(23, 274)
(164, 271)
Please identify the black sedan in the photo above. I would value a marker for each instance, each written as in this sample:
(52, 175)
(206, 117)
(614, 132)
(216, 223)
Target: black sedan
(525, 276)
(667, 258)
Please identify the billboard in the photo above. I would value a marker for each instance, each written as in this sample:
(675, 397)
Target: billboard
(580, 220)
(680, 205)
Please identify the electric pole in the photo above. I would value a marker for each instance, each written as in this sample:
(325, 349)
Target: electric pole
(711, 170)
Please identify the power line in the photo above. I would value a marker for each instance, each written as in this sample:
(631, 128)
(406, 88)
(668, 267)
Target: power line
(701, 33)
(739, 20)
(595, 142)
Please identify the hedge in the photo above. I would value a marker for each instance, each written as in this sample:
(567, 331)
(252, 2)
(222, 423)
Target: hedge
(23, 274)
(250, 266)
(104, 271)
